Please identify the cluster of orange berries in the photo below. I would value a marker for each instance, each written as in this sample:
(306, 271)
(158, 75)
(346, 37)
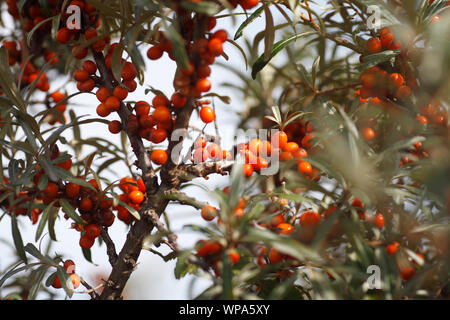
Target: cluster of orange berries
(379, 83)
(30, 73)
(154, 127)
(69, 265)
(18, 204)
(192, 81)
(57, 97)
(133, 196)
(407, 271)
(433, 114)
(33, 13)
(204, 150)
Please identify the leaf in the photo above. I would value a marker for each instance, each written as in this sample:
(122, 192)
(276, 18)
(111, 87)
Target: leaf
(183, 267)
(227, 278)
(36, 27)
(18, 239)
(37, 282)
(179, 50)
(130, 209)
(377, 58)
(70, 211)
(253, 16)
(66, 282)
(282, 244)
(224, 99)
(261, 62)
(314, 71)
(87, 254)
(43, 221)
(16, 270)
(205, 7)
(7, 82)
(241, 51)
(269, 34)
(304, 74)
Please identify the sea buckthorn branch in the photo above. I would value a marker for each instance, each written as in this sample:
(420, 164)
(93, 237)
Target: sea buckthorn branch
(154, 206)
(204, 169)
(110, 247)
(183, 198)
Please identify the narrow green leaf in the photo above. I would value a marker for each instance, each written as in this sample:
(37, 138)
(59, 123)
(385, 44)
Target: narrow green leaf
(261, 62)
(70, 211)
(253, 16)
(18, 238)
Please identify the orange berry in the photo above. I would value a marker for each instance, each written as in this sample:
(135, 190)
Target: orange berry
(159, 156)
(56, 283)
(155, 52)
(386, 37)
(373, 45)
(207, 114)
(86, 242)
(79, 53)
(102, 110)
(209, 213)
(136, 196)
(86, 86)
(279, 139)
(158, 135)
(221, 34)
(162, 114)
(178, 100)
(304, 167)
(160, 100)
(103, 94)
(75, 280)
(112, 103)
(89, 66)
(285, 228)
(120, 93)
(215, 47)
(129, 71)
(407, 272)
(307, 141)
(64, 35)
(72, 190)
(392, 247)
(248, 169)
(90, 33)
(81, 75)
(275, 256)
(92, 230)
(248, 4)
(142, 108)
(309, 219)
(422, 119)
(115, 126)
(203, 85)
(51, 190)
(367, 133)
(234, 256)
(130, 84)
(69, 265)
(378, 220)
(291, 147)
(396, 79)
(403, 92)
(86, 204)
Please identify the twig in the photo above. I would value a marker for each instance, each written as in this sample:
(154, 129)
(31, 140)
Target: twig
(110, 247)
(91, 291)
